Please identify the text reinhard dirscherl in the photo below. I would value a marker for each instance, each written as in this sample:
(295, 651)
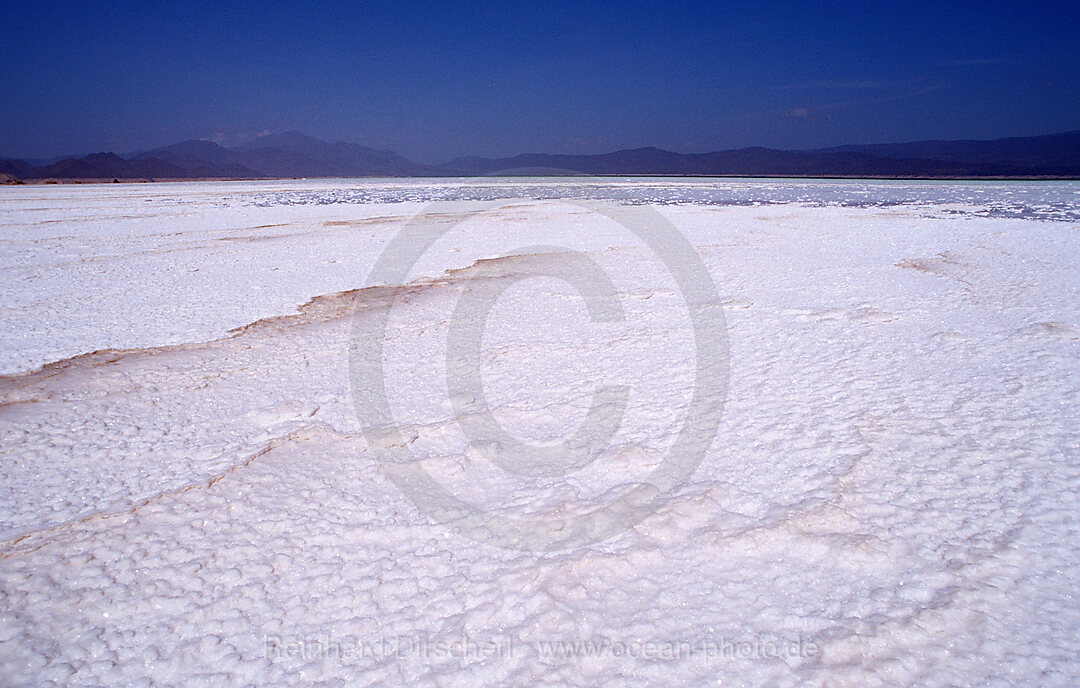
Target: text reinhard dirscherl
(354, 649)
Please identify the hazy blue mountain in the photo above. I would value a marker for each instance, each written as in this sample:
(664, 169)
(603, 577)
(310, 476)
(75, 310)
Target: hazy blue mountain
(1053, 150)
(103, 166)
(201, 159)
(293, 154)
(1057, 155)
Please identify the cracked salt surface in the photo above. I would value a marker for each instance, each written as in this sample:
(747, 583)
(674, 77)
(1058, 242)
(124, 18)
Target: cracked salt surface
(893, 489)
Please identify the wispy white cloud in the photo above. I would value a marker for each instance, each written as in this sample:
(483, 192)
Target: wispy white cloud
(583, 145)
(824, 110)
(232, 138)
(982, 62)
(833, 85)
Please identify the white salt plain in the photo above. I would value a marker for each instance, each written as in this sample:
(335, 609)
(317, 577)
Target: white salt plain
(891, 496)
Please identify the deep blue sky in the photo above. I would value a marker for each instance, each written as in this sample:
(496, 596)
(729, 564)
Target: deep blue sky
(437, 80)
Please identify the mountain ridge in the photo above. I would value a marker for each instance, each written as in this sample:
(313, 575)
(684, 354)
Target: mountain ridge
(292, 154)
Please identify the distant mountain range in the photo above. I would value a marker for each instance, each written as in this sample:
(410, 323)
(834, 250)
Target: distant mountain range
(293, 154)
